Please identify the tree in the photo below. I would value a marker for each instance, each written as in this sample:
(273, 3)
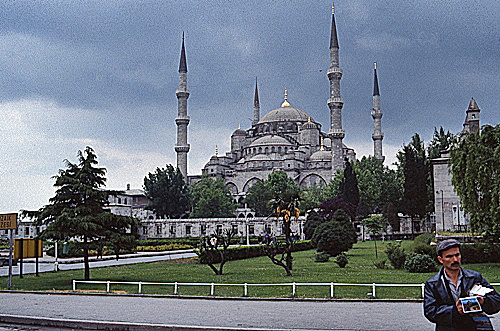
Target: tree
(213, 250)
(335, 236)
(77, 210)
(258, 196)
(376, 224)
(312, 222)
(475, 165)
(260, 193)
(349, 185)
(378, 186)
(285, 203)
(441, 141)
(211, 198)
(167, 192)
(312, 197)
(328, 208)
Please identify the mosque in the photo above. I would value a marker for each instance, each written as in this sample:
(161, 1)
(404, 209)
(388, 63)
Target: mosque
(285, 138)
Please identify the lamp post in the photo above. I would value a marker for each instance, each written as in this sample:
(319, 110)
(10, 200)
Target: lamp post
(442, 206)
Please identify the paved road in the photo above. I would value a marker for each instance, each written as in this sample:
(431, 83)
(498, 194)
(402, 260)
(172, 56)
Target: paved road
(47, 264)
(291, 315)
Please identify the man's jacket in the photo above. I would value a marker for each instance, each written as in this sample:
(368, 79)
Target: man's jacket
(440, 307)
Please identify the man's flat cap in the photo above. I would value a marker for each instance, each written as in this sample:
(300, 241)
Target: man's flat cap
(446, 244)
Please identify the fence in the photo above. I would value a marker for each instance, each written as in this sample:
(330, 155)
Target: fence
(245, 286)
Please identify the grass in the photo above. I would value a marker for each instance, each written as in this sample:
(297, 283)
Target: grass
(257, 270)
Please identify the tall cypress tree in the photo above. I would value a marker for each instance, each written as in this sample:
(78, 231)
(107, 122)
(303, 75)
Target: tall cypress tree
(349, 185)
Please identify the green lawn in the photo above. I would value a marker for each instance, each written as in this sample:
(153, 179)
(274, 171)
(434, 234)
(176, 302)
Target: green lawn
(258, 270)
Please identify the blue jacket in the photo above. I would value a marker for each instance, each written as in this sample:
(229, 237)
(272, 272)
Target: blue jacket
(440, 308)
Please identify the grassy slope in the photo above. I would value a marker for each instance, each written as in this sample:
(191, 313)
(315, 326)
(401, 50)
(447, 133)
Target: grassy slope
(258, 270)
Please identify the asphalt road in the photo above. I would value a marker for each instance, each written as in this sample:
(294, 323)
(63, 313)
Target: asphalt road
(291, 315)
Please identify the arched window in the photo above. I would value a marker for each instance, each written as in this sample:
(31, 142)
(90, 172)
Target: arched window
(279, 149)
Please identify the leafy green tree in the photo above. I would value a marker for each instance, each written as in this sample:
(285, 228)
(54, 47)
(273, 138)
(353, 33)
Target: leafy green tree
(210, 198)
(78, 209)
(335, 236)
(312, 197)
(378, 185)
(260, 193)
(376, 224)
(475, 164)
(167, 192)
(258, 196)
(349, 185)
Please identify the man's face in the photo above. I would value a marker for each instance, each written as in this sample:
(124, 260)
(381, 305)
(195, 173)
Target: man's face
(451, 259)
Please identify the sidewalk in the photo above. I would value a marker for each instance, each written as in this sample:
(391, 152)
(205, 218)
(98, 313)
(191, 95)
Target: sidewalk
(73, 260)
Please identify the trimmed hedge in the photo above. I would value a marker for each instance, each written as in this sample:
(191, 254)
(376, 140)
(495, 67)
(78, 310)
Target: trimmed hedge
(480, 253)
(165, 247)
(246, 252)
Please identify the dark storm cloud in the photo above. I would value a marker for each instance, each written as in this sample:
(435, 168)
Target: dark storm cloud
(105, 72)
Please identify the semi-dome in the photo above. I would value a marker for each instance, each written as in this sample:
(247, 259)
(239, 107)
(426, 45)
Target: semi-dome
(285, 114)
(270, 140)
(321, 156)
(260, 157)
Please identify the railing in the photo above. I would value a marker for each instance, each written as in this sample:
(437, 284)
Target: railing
(245, 286)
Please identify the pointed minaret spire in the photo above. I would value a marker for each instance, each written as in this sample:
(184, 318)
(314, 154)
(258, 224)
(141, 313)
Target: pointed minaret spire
(334, 42)
(256, 105)
(335, 102)
(182, 120)
(377, 135)
(182, 63)
(375, 80)
(471, 123)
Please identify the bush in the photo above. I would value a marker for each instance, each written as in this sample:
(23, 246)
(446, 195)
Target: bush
(321, 257)
(418, 263)
(396, 255)
(245, 252)
(422, 248)
(164, 247)
(480, 253)
(336, 236)
(342, 260)
(380, 264)
(424, 238)
(312, 222)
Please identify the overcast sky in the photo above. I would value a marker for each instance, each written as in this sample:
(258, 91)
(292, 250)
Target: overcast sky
(104, 74)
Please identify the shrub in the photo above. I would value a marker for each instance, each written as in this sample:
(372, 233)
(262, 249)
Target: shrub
(342, 260)
(245, 252)
(480, 252)
(321, 257)
(380, 264)
(336, 236)
(164, 247)
(425, 238)
(396, 255)
(423, 248)
(312, 222)
(418, 263)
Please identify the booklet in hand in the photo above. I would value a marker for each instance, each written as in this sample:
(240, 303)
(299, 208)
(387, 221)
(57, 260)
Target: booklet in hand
(471, 305)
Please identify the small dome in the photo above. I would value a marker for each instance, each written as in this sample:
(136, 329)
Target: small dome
(270, 140)
(282, 114)
(309, 125)
(239, 132)
(321, 156)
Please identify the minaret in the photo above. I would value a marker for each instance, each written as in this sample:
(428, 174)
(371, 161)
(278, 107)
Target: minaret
(377, 135)
(182, 120)
(471, 123)
(256, 105)
(335, 102)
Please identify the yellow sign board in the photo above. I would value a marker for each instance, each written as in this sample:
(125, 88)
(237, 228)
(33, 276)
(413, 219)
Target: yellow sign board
(8, 221)
(29, 248)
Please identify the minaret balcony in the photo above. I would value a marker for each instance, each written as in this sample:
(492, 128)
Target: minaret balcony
(336, 133)
(182, 93)
(334, 70)
(182, 120)
(377, 136)
(335, 101)
(376, 113)
(182, 148)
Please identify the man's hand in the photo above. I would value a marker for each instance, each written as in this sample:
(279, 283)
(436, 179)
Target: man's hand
(460, 308)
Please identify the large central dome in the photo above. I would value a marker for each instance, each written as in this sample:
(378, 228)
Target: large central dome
(285, 114)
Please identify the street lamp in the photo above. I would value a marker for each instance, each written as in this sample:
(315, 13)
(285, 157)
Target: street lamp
(442, 206)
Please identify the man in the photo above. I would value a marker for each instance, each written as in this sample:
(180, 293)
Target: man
(444, 290)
